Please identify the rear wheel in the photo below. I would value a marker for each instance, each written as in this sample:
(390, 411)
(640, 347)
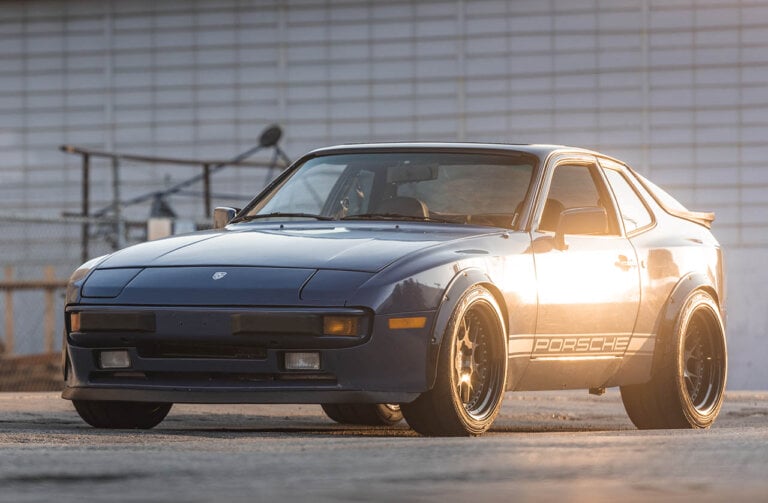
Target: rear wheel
(370, 414)
(688, 385)
(122, 415)
(472, 371)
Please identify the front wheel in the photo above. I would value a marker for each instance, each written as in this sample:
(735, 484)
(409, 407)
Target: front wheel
(122, 415)
(688, 383)
(472, 372)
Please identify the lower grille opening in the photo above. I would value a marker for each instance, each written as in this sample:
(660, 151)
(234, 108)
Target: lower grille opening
(129, 375)
(207, 378)
(200, 350)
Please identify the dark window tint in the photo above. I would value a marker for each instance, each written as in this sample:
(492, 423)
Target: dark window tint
(572, 186)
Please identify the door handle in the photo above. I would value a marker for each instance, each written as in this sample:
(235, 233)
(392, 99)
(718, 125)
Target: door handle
(624, 263)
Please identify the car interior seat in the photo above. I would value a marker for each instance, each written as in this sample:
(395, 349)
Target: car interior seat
(401, 205)
(551, 215)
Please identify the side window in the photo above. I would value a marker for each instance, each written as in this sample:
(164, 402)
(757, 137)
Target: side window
(634, 213)
(573, 186)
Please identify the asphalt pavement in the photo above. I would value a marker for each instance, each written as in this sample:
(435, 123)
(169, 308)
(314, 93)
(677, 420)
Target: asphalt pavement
(549, 446)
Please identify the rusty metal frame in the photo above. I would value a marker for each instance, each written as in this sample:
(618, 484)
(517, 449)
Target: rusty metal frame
(207, 166)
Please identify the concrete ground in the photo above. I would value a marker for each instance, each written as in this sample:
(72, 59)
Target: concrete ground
(564, 446)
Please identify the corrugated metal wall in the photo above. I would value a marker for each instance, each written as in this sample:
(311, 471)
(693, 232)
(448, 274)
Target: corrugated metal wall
(677, 88)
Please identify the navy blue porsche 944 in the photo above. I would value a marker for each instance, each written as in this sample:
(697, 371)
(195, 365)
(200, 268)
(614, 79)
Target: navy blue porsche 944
(415, 280)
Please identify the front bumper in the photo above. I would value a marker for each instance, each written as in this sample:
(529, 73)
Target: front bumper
(228, 395)
(385, 366)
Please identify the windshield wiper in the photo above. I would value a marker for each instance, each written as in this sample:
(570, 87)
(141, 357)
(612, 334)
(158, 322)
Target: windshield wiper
(248, 218)
(362, 216)
(395, 216)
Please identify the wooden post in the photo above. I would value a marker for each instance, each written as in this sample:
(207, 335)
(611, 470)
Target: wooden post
(117, 207)
(49, 323)
(207, 189)
(9, 342)
(86, 207)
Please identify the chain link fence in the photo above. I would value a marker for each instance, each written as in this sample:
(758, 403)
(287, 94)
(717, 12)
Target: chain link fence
(39, 254)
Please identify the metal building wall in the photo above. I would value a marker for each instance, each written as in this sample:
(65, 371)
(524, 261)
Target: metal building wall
(677, 88)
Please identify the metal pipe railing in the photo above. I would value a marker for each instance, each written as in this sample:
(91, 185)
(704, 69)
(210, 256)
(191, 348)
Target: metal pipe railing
(268, 139)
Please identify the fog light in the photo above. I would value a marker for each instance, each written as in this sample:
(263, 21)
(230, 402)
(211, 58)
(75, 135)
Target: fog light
(114, 360)
(302, 361)
(341, 325)
(74, 322)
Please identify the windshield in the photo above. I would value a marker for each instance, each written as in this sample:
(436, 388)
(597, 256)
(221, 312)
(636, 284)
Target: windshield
(484, 189)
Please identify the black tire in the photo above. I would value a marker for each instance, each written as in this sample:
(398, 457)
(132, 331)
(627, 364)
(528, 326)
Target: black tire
(471, 372)
(369, 414)
(122, 415)
(690, 367)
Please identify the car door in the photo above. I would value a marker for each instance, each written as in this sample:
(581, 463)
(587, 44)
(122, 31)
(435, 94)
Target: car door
(589, 288)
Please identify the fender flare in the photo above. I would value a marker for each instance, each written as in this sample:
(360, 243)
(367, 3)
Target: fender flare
(461, 282)
(668, 318)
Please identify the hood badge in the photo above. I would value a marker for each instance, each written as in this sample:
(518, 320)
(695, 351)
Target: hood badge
(218, 275)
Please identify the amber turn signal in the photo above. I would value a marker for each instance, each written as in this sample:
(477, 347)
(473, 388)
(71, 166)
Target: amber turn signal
(404, 323)
(341, 325)
(74, 322)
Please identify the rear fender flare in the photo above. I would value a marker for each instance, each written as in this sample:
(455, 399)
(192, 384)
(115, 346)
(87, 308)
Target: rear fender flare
(668, 319)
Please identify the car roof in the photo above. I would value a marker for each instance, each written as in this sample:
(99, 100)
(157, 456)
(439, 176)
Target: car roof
(539, 150)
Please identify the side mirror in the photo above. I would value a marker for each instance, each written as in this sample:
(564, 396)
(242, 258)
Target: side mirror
(587, 220)
(222, 215)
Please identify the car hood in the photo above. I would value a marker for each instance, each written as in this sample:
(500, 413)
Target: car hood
(264, 265)
(353, 247)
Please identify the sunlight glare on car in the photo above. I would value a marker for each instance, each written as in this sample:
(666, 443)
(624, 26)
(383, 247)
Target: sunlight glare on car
(595, 283)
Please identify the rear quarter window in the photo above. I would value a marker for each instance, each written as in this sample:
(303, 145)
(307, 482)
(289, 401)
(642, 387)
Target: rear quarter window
(633, 211)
